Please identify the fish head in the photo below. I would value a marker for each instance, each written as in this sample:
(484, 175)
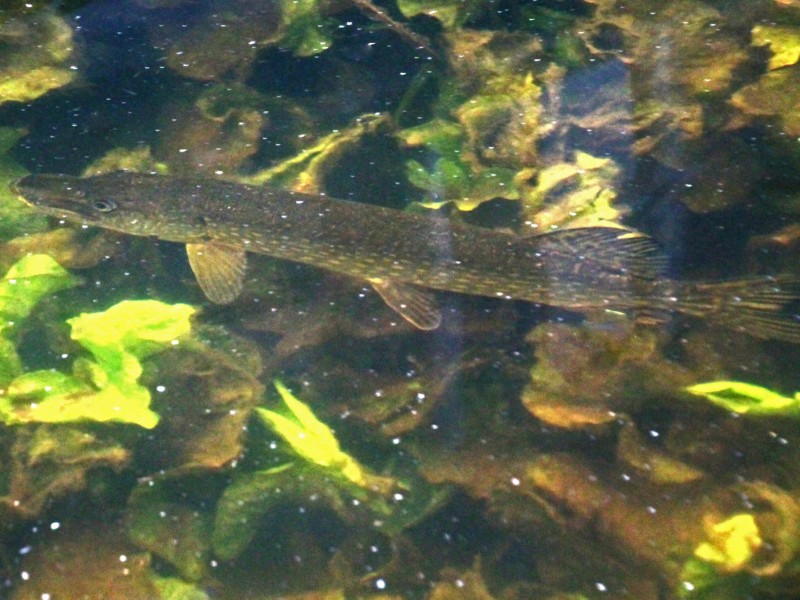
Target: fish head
(130, 203)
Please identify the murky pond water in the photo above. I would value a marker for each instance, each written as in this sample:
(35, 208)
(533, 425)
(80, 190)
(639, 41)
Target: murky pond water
(537, 336)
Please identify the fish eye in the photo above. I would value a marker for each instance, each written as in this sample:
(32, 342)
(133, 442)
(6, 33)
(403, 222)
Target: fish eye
(104, 205)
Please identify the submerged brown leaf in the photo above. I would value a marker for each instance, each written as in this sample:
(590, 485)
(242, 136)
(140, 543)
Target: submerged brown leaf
(775, 94)
(221, 41)
(90, 561)
(584, 378)
(50, 461)
(71, 248)
(209, 389)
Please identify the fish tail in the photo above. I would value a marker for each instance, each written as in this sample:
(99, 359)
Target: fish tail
(766, 307)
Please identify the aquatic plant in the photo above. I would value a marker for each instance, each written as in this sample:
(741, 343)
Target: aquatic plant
(746, 398)
(15, 218)
(35, 54)
(21, 288)
(106, 387)
(502, 456)
(310, 438)
(451, 13)
(486, 118)
(321, 460)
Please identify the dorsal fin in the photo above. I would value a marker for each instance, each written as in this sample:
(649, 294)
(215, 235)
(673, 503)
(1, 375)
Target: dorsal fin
(619, 249)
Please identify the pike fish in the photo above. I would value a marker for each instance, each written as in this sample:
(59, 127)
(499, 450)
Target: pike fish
(404, 256)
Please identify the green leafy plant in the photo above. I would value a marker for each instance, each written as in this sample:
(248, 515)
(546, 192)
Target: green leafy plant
(105, 387)
(21, 288)
(450, 13)
(316, 466)
(15, 217)
(304, 29)
(746, 398)
(310, 438)
(717, 568)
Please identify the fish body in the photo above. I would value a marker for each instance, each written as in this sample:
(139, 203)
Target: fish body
(404, 254)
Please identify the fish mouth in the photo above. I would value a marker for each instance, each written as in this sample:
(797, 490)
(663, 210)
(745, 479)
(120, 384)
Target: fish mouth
(54, 195)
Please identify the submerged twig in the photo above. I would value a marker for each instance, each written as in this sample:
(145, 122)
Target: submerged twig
(377, 14)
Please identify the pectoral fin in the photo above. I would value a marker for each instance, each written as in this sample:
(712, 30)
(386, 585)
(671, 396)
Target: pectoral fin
(415, 305)
(219, 270)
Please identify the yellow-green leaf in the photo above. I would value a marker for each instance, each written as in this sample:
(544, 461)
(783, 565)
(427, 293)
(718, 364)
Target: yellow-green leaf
(26, 282)
(51, 397)
(311, 438)
(783, 42)
(746, 398)
(139, 326)
(106, 388)
(732, 543)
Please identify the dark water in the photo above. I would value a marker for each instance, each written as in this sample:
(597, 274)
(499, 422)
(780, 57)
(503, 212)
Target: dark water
(518, 451)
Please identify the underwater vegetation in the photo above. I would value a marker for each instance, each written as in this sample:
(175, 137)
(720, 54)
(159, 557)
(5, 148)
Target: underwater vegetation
(304, 442)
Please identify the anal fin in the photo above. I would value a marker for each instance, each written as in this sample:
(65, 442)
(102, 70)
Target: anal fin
(415, 305)
(219, 270)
